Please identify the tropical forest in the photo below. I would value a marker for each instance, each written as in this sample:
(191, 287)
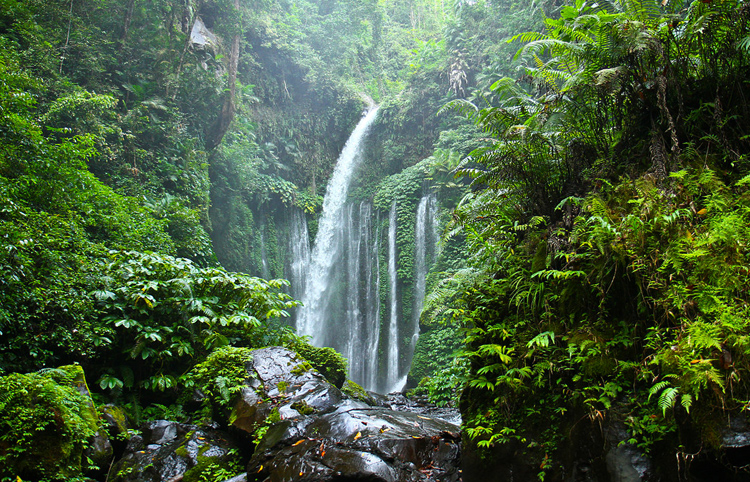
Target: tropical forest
(374, 240)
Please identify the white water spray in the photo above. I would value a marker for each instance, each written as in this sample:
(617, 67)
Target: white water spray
(327, 246)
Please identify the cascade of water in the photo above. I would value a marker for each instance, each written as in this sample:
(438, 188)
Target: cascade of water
(432, 215)
(265, 271)
(425, 251)
(420, 264)
(313, 317)
(353, 316)
(392, 374)
(299, 249)
(372, 293)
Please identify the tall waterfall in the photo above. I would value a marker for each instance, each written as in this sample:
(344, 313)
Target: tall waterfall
(425, 253)
(265, 270)
(299, 250)
(315, 319)
(362, 295)
(393, 380)
(339, 279)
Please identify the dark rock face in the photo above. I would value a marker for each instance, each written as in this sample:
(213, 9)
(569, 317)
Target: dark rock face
(321, 436)
(280, 380)
(168, 450)
(308, 430)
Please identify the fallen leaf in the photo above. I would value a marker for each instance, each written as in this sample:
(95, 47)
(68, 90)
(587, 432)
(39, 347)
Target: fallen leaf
(260, 469)
(298, 442)
(359, 434)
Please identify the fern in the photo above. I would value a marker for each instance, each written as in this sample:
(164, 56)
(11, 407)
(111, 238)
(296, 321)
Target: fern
(544, 339)
(667, 399)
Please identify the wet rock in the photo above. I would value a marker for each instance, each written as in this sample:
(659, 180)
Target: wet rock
(114, 420)
(358, 441)
(280, 380)
(172, 451)
(625, 462)
(418, 404)
(99, 451)
(239, 478)
(314, 432)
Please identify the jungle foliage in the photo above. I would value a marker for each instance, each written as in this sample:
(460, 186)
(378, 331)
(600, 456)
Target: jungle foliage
(606, 226)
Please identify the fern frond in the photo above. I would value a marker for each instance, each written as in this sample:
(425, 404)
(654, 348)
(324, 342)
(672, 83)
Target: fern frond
(667, 399)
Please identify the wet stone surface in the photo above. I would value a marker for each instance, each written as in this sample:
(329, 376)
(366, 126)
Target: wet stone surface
(167, 450)
(323, 436)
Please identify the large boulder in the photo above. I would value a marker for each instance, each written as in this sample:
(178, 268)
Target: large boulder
(281, 383)
(49, 426)
(307, 430)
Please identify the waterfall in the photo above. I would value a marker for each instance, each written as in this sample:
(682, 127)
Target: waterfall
(311, 320)
(392, 375)
(425, 252)
(299, 250)
(353, 316)
(338, 280)
(372, 290)
(265, 271)
(362, 327)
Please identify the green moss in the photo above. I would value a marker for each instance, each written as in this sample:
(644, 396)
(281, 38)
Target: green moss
(119, 417)
(220, 377)
(326, 360)
(356, 392)
(282, 386)
(302, 368)
(303, 408)
(47, 421)
(210, 469)
(273, 417)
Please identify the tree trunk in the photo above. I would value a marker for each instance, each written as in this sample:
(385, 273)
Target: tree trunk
(126, 23)
(228, 109)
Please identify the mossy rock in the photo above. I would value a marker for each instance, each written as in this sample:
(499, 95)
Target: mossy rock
(116, 420)
(47, 420)
(356, 392)
(326, 360)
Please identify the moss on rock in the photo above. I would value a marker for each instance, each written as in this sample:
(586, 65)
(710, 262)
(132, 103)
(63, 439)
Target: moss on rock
(46, 422)
(330, 363)
(356, 392)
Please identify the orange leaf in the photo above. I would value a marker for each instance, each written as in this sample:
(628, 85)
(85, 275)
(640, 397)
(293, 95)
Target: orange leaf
(298, 442)
(359, 434)
(702, 212)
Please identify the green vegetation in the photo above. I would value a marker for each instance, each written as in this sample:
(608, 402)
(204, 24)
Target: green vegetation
(326, 360)
(219, 379)
(590, 159)
(46, 424)
(605, 227)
